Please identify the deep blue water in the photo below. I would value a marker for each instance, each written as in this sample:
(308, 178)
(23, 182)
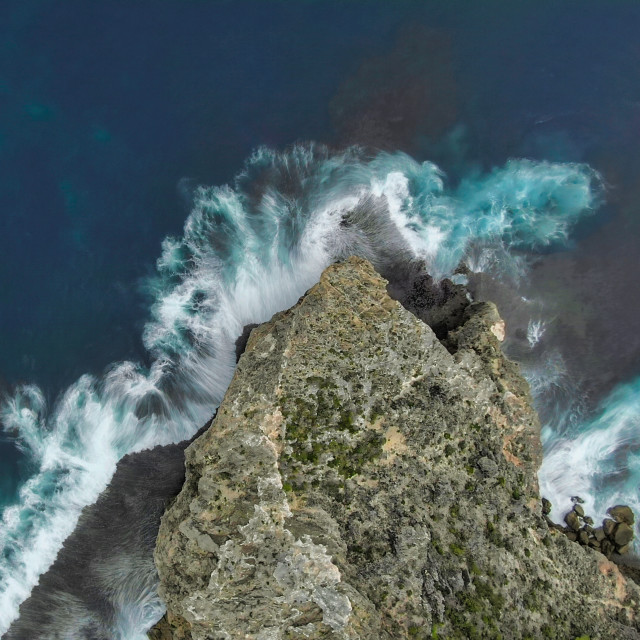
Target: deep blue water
(107, 107)
(111, 112)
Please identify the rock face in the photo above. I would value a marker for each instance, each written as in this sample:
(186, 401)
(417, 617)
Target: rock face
(363, 480)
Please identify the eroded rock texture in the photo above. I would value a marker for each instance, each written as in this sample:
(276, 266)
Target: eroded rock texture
(364, 480)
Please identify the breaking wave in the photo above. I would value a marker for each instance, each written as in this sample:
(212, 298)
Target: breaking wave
(603, 453)
(249, 250)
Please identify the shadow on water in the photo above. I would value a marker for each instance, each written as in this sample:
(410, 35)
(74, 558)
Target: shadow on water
(105, 568)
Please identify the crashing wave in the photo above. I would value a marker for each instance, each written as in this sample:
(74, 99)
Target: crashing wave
(603, 453)
(248, 251)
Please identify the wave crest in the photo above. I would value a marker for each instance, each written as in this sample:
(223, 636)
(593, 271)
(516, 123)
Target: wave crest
(249, 250)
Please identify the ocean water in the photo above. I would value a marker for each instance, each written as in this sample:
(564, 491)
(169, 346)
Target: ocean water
(502, 137)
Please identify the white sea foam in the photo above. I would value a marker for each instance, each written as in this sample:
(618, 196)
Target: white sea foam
(535, 331)
(248, 251)
(602, 454)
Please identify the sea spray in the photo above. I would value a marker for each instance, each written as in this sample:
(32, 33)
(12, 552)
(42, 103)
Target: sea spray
(597, 458)
(248, 251)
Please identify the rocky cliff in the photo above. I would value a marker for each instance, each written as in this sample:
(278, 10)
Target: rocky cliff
(364, 479)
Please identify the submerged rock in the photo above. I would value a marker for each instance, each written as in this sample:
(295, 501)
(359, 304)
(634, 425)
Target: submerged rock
(363, 480)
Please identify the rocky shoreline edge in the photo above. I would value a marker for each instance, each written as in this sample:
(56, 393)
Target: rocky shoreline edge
(367, 478)
(614, 536)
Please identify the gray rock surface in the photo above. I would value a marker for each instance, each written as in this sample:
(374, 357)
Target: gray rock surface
(363, 480)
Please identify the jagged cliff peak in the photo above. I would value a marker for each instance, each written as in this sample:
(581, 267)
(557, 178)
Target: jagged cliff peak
(363, 479)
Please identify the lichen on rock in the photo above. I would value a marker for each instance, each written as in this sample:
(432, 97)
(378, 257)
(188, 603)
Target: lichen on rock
(365, 480)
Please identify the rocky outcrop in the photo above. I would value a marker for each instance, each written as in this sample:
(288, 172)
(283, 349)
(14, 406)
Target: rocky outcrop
(612, 539)
(363, 479)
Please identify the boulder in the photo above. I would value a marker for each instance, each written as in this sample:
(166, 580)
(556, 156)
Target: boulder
(609, 526)
(607, 547)
(573, 521)
(622, 513)
(623, 534)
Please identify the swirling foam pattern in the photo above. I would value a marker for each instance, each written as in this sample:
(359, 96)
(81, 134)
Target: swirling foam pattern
(248, 251)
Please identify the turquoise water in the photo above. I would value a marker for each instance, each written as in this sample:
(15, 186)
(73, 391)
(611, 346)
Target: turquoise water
(247, 251)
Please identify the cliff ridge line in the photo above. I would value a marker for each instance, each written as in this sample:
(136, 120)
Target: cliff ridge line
(363, 479)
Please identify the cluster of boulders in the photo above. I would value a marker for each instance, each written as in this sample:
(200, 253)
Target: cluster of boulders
(614, 536)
